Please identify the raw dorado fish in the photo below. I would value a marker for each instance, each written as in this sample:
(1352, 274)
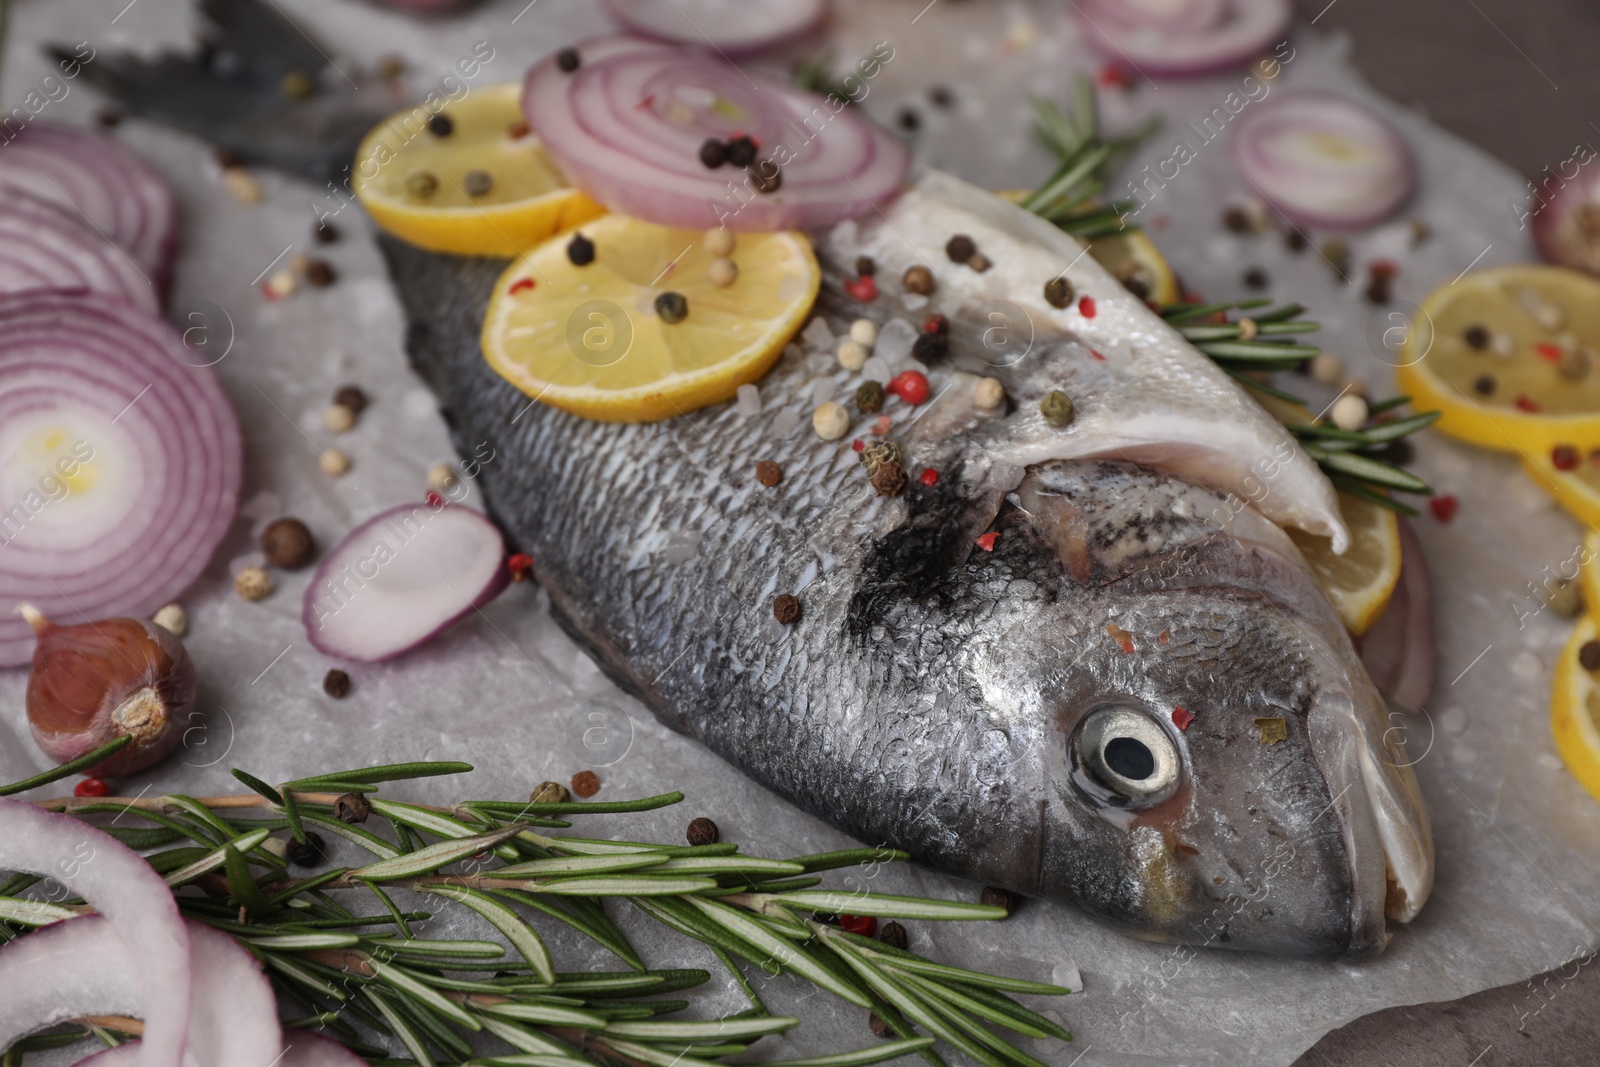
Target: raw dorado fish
(1137, 702)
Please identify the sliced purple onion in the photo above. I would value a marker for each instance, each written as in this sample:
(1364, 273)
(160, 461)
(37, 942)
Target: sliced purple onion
(1184, 38)
(309, 1050)
(120, 462)
(45, 246)
(91, 968)
(401, 578)
(628, 124)
(1566, 225)
(1325, 160)
(101, 182)
(733, 27)
(1399, 651)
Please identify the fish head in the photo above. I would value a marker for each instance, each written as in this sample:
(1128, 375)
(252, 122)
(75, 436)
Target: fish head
(1208, 761)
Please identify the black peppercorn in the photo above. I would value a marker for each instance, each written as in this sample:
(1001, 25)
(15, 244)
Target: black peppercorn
(568, 59)
(352, 397)
(766, 176)
(894, 935)
(1378, 289)
(1589, 655)
(1236, 219)
(441, 125)
(866, 266)
(672, 307)
(703, 831)
(325, 233)
(580, 250)
(336, 683)
(960, 248)
(308, 853)
(995, 897)
(786, 608)
(1295, 241)
(1476, 337)
(1484, 385)
(930, 348)
(287, 543)
(1256, 278)
(909, 120)
(741, 151)
(320, 273)
(713, 153)
(352, 807)
(941, 96)
(227, 158)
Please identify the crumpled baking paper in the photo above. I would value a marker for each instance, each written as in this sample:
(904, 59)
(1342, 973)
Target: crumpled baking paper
(1518, 841)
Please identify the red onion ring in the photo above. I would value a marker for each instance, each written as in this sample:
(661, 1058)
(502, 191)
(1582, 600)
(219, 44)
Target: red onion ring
(1325, 160)
(139, 916)
(1193, 40)
(235, 1016)
(627, 127)
(733, 27)
(101, 182)
(42, 246)
(1566, 227)
(309, 1050)
(400, 579)
(1399, 650)
(166, 459)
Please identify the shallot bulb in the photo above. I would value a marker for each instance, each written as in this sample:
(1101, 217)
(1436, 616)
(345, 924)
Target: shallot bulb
(98, 681)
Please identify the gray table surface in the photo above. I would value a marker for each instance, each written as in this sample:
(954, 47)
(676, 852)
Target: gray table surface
(1519, 79)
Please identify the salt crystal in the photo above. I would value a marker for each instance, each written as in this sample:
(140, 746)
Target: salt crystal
(1453, 721)
(876, 369)
(682, 546)
(822, 390)
(1527, 666)
(774, 630)
(914, 301)
(895, 339)
(792, 351)
(844, 235)
(819, 363)
(1067, 976)
(1463, 754)
(817, 334)
(786, 422)
(1550, 761)
(749, 401)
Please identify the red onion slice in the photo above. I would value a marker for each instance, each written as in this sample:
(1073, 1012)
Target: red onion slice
(120, 463)
(1324, 160)
(734, 27)
(99, 181)
(139, 914)
(627, 127)
(1184, 38)
(401, 578)
(1399, 650)
(235, 1017)
(309, 1050)
(1566, 223)
(43, 246)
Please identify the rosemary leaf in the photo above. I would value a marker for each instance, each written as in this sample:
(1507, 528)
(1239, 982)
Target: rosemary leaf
(32, 912)
(861, 1057)
(574, 865)
(391, 772)
(71, 767)
(214, 859)
(887, 906)
(721, 1029)
(242, 884)
(522, 936)
(434, 857)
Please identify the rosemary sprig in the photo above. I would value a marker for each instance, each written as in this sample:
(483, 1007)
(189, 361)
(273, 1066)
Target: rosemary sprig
(813, 74)
(1070, 196)
(360, 974)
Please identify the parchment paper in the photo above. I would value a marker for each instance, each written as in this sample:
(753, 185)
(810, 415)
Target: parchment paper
(1518, 841)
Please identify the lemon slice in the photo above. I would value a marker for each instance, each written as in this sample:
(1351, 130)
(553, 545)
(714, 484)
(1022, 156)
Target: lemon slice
(1360, 582)
(1502, 354)
(1576, 488)
(591, 340)
(1589, 569)
(1135, 261)
(470, 180)
(1575, 710)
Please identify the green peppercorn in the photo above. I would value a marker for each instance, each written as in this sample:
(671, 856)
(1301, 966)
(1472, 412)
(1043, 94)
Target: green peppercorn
(869, 397)
(421, 184)
(672, 307)
(1057, 409)
(478, 182)
(1058, 292)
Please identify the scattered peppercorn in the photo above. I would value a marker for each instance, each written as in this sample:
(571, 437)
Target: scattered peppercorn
(580, 250)
(989, 394)
(549, 793)
(421, 184)
(325, 233)
(1588, 656)
(520, 567)
(869, 397)
(995, 897)
(1236, 220)
(1256, 278)
(352, 397)
(960, 248)
(713, 153)
(786, 608)
(878, 1027)
(864, 288)
(1476, 337)
(941, 96)
(352, 807)
(227, 158)
(889, 479)
(876, 453)
(97, 787)
(1565, 458)
(108, 118)
(586, 784)
(1379, 289)
(919, 280)
(336, 683)
(979, 262)
(308, 853)
(1087, 310)
(518, 130)
(334, 463)
(252, 583)
(1057, 409)
(173, 619)
(936, 323)
(894, 935)
(766, 176)
(1058, 292)
(930, 348)
(741, 151)
(297, 85)
(441, 125)
(672, 307)
(1295, 241)
(703, 831)
(568, 59)
(1575, 364)
(320, 273)
(478, 182)
(768, 473)
(909, 120)
(910, 386)
(830, 421)
(287, 543)
(1337, 255)
(860, 925)
(1398, 453)
(866, 267)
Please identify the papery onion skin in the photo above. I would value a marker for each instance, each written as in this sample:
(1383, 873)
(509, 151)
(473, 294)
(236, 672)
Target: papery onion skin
(95, 682)
(626, 126)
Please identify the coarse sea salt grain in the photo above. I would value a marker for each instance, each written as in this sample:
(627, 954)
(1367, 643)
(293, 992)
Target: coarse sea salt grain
(895, 339)
(914, 301)
(786, 421)
(749, 401)
(817, 334)
(876, 369)
(822, 390)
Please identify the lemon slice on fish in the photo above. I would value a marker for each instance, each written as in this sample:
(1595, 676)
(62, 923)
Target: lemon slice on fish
(471, 179)
(1131, 257)
(1575, 710)
(625, 321)
(1506, 355)
(1360, 582)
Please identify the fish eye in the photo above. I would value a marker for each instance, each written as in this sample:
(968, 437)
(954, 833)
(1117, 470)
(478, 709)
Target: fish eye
(1121, 756)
